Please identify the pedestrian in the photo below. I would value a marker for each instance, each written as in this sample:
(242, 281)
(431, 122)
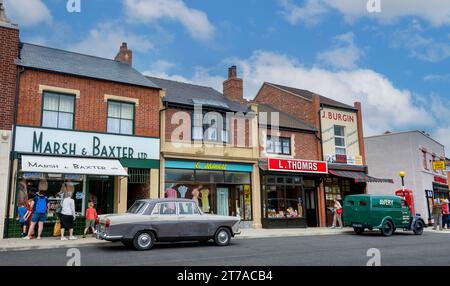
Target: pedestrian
(39, 208)
(437, 214)
(29, 214)
(445, 215)
(91, 216)
(67, 216)
(22, 211)
(337, 217)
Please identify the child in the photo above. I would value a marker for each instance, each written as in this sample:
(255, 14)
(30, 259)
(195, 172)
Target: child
(22, 210)
(91, 216)
(29, 214)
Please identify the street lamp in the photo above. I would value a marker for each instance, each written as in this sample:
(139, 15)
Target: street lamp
(402, 175)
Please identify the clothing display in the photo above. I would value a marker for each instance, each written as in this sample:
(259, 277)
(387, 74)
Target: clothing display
(182, 190)
(222, 201)
(171, 193)
(195, 193)
(205, 200)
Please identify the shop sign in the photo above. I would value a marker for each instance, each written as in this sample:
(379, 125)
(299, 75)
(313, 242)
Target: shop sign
(212, 166)
(440, 180)
(439, 165)
(85, 144)
(344, 159)
(301, 166)
(341, 158)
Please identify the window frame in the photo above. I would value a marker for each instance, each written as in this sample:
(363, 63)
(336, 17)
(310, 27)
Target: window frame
(342, 147)
(73, 96)
(121, 118)
(281, 139)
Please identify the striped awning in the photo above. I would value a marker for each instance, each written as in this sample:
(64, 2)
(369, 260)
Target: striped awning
(360, 177)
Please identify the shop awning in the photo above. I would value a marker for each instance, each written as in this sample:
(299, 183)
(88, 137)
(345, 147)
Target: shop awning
(360, 177)
(69, 165)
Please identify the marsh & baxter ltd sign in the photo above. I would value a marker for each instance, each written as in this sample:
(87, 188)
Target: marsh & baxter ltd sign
(84, 144)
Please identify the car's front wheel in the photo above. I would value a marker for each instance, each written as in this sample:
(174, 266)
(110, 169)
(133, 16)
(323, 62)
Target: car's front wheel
(144, 240)
(387, 229)
(222, 237)
(418, 227)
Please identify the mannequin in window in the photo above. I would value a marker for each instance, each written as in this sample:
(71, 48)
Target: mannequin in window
(196, 193)
(171, 192)
(205, 200)
(182, 190)
(22, 196)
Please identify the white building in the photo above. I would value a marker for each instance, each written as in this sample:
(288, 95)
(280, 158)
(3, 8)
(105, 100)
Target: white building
(412, 152)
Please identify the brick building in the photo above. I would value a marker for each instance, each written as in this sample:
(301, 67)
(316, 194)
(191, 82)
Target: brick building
(338, 141)
(209, 150)
(85, 125)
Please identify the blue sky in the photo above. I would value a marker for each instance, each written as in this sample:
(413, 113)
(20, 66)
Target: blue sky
(396, 61)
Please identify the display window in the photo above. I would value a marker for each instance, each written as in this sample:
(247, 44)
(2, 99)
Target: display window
(54, 186)
(283, 197)
(216, 192)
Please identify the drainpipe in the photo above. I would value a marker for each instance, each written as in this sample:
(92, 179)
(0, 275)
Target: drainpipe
(11, 178)
(162, 133)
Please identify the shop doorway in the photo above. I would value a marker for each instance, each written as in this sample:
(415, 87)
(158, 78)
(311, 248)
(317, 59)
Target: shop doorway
(222, 201)
(101, 192)
(311, 207)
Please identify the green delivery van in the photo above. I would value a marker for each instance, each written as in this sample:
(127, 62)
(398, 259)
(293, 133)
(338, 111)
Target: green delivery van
(383, 212)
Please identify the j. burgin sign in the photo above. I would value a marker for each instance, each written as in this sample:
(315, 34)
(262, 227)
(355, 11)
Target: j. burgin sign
(75, 143)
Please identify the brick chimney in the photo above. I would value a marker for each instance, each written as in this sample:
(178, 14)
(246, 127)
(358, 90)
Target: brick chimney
(233, 87)
(124, 55)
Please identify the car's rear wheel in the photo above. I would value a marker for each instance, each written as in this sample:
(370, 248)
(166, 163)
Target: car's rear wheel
(418, 227)
(387, 229)
(222, 237)
(358, 230)
(144, 240)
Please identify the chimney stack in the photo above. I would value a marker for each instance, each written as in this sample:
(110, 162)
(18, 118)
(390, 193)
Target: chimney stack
(233, 87)
(124, 55)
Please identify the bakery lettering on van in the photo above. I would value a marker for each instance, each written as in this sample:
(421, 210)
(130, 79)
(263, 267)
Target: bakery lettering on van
(96, 149)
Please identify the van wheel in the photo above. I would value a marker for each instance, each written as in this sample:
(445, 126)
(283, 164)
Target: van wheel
(359, 230)
(222, 237)
(418, 227)
(387, 229)
(144, 240)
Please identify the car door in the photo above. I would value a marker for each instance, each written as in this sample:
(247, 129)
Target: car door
(165, 221)
(406, 214)
(191, 222)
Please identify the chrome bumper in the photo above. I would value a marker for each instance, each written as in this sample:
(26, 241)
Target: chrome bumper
(105, 236)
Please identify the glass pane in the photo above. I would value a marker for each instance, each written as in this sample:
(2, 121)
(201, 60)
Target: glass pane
(197, 133)
(50, 119)
(338, 141)
(186, 208)
(338, 130)
(225, 136)
(294, 202)
(66, 103)
(277, 146)
(202, 176)
(286, 146)
(51, 101)
(113, 109)
(276, 203)
(269, 146)
(174, 175)
(168, 209)
(280, 180)
(340, 151)
(126, 126)
(65, 120)
(127, 111)
(218, 176)
(113, 125)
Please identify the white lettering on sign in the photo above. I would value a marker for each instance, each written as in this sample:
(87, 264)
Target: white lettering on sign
(386, 202)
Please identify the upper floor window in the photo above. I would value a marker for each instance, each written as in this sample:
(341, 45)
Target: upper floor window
(211, 126)
(339, 140)
(424, 160)
(120, 117)
(278, 145)
(58, 110)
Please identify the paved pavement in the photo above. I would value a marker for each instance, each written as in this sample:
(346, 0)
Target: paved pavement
(344, 248)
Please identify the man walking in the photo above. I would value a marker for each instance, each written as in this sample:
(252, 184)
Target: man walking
(437, 214)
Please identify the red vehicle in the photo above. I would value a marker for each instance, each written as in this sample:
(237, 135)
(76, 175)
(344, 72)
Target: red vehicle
(408, 196)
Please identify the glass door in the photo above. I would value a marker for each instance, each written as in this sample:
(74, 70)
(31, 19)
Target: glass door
(222, 201)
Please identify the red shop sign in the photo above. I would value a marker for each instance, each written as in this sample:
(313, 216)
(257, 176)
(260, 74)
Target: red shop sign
(301, 166)
(440, 180)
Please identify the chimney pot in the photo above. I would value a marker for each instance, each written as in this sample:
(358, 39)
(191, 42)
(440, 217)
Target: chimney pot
(232, 72)
(124, 55)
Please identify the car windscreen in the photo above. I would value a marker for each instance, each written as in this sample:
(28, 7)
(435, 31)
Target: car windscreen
(137, 207)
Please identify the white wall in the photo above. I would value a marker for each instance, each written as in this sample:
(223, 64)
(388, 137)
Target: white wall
(5, 147)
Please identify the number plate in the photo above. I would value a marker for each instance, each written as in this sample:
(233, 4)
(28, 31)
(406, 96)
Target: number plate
(357, 225)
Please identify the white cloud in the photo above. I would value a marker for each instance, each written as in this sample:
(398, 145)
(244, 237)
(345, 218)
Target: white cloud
(436, 12)
(148, 11)
(27, 12)
(309, 13)
(437, 77)
(343, 54)
(105, 39)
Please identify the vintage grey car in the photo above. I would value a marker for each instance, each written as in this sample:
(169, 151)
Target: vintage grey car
(166, 220)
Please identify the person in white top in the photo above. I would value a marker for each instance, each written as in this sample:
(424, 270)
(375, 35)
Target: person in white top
(67, 215)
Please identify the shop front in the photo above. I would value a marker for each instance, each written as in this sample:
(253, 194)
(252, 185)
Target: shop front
(222, 188)
(91, 166)
(290, 192)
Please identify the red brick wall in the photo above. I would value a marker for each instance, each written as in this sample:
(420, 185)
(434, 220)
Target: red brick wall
(304, 144)
(90, 108)
(286, 102)
(9, 50)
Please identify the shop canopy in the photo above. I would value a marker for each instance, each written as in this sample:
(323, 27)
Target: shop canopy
(360, 177)
(69, 165)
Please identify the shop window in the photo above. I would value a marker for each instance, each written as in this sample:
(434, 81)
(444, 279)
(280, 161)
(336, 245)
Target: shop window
(202, 176)
(278, 145)
(179, 175)
(339, 140)
(237, 177)
(120, 117)
(58, 110)
(283, 201)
